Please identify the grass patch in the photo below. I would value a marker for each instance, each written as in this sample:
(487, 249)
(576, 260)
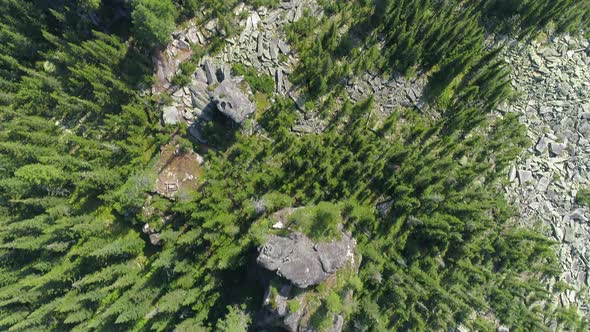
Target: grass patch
(261, 101)
(583, 197)
(294, 305)
(258, 82)
(318, 222)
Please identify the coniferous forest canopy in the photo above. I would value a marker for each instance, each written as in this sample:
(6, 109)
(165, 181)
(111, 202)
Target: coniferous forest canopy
(80, 133)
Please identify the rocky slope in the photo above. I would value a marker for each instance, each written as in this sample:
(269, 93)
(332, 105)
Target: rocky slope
(553, 82)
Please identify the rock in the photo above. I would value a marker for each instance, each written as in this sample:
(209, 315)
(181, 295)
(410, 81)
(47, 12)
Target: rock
(554, 91)
(259, 46)
(524, 176)
(543, 184)
(297, 259)
(210, 72)
(200, 75)
(183, 45)
(541, 145)
(278, 225)
(545, 109)
(569, 235)
(298, 263)
(299, 99)
(171, 115)
(557, 233)
(537, 61)
(584, 129)
(211, 25)
(279, 81)
(502, 328)
(146, 228)
(557, 148)
(231, 99)
(577, 214)
(276, 314)
(284, 48)
(274, 49)
(302, 129)
(199, 95)
(252, 21)
(192, 36)
(384, 207)
(155, 239)
(201, 37)
(337, 324)
(195, 131)
(512, 174)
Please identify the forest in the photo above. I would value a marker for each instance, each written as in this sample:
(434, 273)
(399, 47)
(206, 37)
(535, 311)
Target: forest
(80, 133)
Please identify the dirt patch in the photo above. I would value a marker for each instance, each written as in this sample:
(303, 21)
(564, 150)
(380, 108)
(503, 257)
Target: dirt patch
(166, 62)
(178, 172)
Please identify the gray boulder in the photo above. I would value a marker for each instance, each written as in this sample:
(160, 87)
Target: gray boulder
(231, 99)
(297, 259)
(210, 72)
(170, 115)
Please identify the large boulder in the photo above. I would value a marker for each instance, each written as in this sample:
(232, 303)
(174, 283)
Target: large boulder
(231, 99)
(302, 262)
(297, 263)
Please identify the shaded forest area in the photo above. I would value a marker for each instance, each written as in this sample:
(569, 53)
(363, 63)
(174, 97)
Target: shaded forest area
(79, 133)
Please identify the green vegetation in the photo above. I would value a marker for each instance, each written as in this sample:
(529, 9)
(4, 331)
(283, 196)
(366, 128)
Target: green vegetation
(153, 21)
(187, 69)
(293, 305)
(258, 82)
(527, 16)
(78, 139)
(333, 303)
(235, 321)
(319, 222)
(583, 197)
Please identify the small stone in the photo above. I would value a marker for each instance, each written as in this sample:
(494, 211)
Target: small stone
(274, 49)
(524, 176)
(502, 328)
(557, 232)
(537, 61)
(557, 148)
(192, 36)
(278, 225)
(302, 129)
(584, 129)
(569, 235)
(577, 214)
(284, 48)
(545, 109)
(183, 45)
(155, 239)
(543, 184)
(541, 145)
(512, 173)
